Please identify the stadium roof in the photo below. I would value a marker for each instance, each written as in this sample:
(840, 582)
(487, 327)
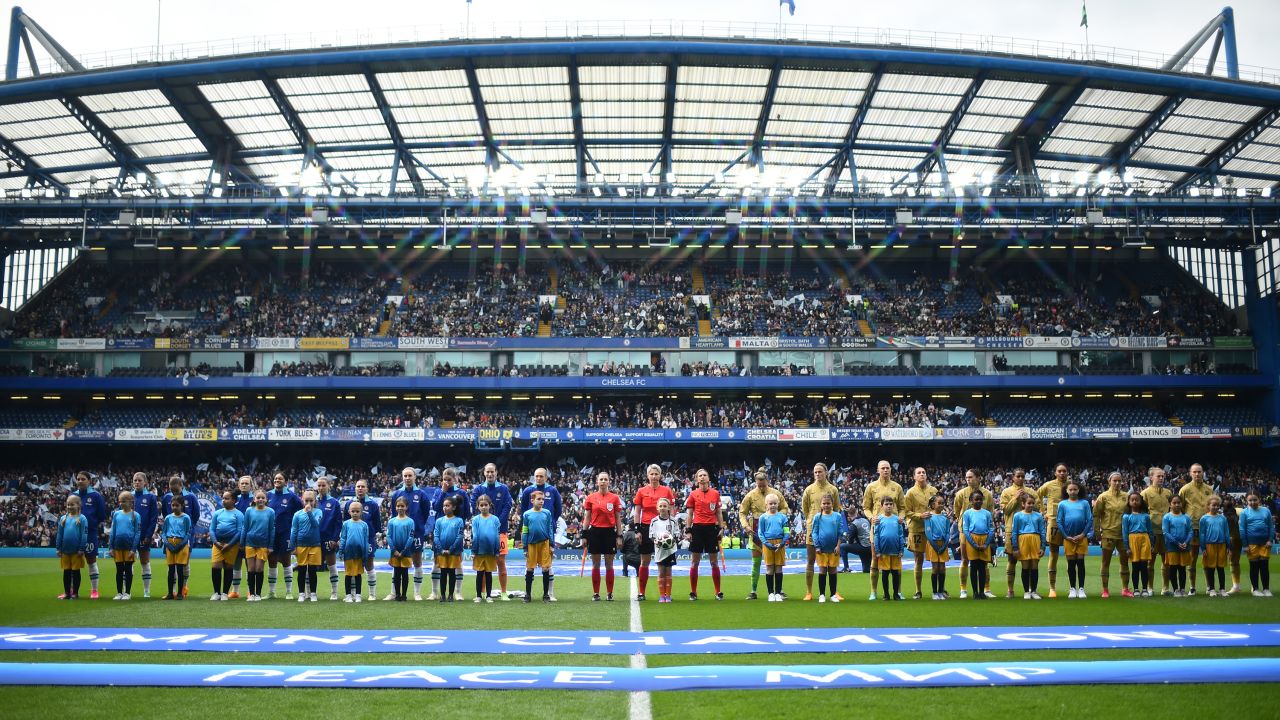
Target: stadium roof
(687, 116)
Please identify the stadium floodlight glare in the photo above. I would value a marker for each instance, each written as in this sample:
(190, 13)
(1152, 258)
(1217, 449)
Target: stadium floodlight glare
(651, 191)
(1128, 191)
(622, 178)
(1081, 177)
(141, 178)
(1129, 177)
(595, 190)
(622, 192)
(1240, 192)
(1053, 192)
(1055, 178)
(284, 191)
(1104, 177)
(1194, 192)
(1266, 192)
(987, 177)
(986, 192)
(1217, 192)
(599, 178)
(646, 178)
(671, 178)
(1080, 191)
(677, 192)
(217, 192)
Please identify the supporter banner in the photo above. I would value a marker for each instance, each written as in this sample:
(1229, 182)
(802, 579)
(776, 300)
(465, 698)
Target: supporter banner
(1098, 433)
(450, 435)
(398, 434)
(857, 434)
(34, 344)
(214, 342)
(621, 642)
(856, 342)
(423, 343)
(324, 343)
(949, 341)
(1154, 433)
(637, 434)
(130, 343)
(1038, 341)
(293, 434)
(959, 433)
(275, 343)
(376, 343)
(1230, 341)
(78, 434)
(804, 435)
(1190, 342)
(32, 434)
(1143, 342)
(1206, 432)
(346, 434)
(243, 434)
(174, 344)
(618, 382)
(1043, 433)
(82, 344)
(906, 433)
(143, 434)
(191, 434)
(752, 343)
(999, 342)
(1095, 342)
(1006, 433)
(703, 343)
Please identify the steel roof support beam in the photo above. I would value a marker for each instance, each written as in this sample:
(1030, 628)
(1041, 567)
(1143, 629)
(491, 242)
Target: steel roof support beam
(27, 166)
(579, 146)
(668, 124)
(934, 158)
(403, 157)
(124, 156)
(1223, 26)
(294, 121)
(1126, 149)
(482, 115)
(1229, 150)
(851, 137)
(762, 122)
(22, 28)
(1048, 112)
(224, 148)
(745, 154)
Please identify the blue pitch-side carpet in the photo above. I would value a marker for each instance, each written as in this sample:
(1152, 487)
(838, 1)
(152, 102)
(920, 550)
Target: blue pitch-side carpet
(723, 677)
(820, 640)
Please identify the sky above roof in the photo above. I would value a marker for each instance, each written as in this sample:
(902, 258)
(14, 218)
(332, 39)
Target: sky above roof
(86, 27)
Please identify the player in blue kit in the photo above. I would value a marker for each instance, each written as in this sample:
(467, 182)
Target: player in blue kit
(244, 501)
(330, 528)
(122, 541)
(190, 507)
(400, 541)
(353, 548)
(286, 504)
(418, 509)
(1257, 531)
(772, 530)
(1074, 520)
(175, 536)
(259, 538)
(486, 540)
(448, 488)
(536, 528)
(550, 496)
(937, 533)
(1028, 535)
(94, 509)
(371, 514)
(889, 535)
(447, 547)
(304, 541)
(146, 504)
(500, 497)
(977, 532)
(825, 532)
(226, 532)
(70, 540)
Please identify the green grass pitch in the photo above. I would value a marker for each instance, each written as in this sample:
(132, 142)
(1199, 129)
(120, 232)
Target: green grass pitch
(28, 587)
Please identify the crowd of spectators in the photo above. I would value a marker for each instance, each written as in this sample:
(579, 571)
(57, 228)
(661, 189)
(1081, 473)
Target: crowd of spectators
(598, 299)
(32, 497)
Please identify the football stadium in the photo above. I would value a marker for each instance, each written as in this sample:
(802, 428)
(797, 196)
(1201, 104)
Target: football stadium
(911, 369)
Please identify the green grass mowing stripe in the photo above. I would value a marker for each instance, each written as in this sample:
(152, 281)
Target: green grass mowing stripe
(310, 704)
(1209, 702)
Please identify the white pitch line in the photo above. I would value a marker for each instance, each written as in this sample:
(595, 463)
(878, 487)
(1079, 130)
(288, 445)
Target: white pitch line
(640, 707)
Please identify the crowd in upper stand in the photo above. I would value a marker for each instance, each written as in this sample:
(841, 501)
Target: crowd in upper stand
(597, 299)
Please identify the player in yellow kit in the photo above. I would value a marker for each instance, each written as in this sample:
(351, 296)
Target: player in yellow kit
(1157, 497)
(1010, 504)
(916, 508)
(879, 489)
(1195, 502)
(811, 505)
(1051, 493)
(1108, 516)
(973, 484)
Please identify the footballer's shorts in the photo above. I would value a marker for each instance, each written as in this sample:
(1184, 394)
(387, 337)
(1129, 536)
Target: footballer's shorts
(935, 556)
(1029, 547)
(916, 542)
(452, 561)
(646, 542)
(1260, 552)
(256, 553)
(308, 555)
(775, 556)
(1075, 547)
(538, 555)
(828, 560)
(1110, 544)
(484, 563)
(123, 556)
(71, 561)
(1215, 556)
(602, 541)
(1140, 547)
(353, 567)
(888, 562)
(225, 557)
(974, 553)
(704, 539)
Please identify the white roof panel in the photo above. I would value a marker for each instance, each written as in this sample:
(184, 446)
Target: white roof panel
(528, 127)
(704, 75)
(522, 76)
(1011, 90)
(223, 92)
(621, 127)
(433, 113)
(924, 84)
(464, 129)
(432, 97)
(623, 93)
(323, 84)
(622, 74)
(822, 79)
(425, 79)
(1218, 110)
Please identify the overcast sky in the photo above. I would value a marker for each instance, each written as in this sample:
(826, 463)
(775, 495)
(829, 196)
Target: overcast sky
(89, 26)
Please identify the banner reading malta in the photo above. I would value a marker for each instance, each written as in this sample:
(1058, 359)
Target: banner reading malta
(816, 640)
(713, 677)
